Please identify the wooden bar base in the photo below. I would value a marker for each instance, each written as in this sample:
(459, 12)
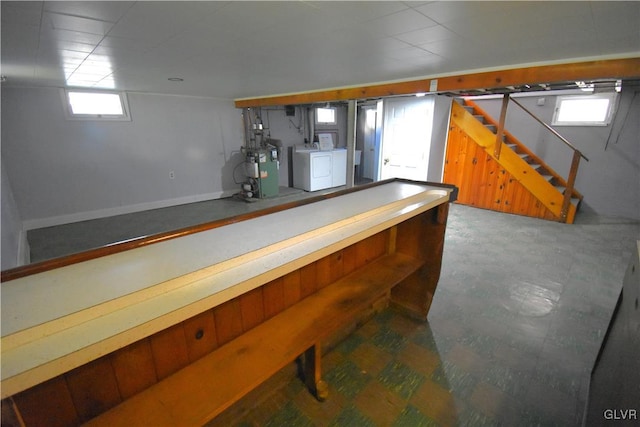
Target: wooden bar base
(192, 371)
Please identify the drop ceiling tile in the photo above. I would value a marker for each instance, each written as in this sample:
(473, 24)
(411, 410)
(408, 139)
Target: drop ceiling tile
(21, 13)
(541, 11)
(49, 44)
(57, 21)
(619, 20)
(355, 12)
(19, 37)
(402, 22)
(408, 53)
(158, 20)
(70, 55)
(110, 11)
(127, 43)
(427, 35)
(443, 12)
(453, 48)
(68, 35)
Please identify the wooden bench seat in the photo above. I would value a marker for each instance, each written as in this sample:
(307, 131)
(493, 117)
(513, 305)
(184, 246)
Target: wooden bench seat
(205, 388)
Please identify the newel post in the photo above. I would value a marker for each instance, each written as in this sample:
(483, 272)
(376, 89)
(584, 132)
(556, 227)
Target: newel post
(500, 131)
(571, 180)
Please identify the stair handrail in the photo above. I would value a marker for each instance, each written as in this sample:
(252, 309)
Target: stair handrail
(550, 129)
(575, 161)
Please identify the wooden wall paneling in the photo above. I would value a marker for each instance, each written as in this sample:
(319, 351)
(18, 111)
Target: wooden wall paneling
(9, 415)
(252, 308)
(483, 183)
(273, 294)
(468, 168)
(457, 154)
(491, 168)
(470, 160)
(200, 334)
(408, 237)
(508, 195)
(169, 348)
(336, 265)
(93, 388)
(308, 280)
(498, 195)
(323, 271)
(518, 199)
(48, 405)
(349, 259)
(477, 172)
(291, 286)
(228, 318)
(371, 248)
(487, 183)
(330, 268)
(134, 368)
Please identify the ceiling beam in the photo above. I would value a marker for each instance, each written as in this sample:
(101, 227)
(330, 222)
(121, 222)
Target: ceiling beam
(628, 68)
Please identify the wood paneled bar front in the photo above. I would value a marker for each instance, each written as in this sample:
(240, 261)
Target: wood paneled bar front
(175, 330)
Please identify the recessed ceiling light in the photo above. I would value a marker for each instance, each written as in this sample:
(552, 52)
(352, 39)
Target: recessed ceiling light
(175, 79)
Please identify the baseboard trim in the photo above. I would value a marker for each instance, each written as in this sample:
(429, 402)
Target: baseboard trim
(32, 224)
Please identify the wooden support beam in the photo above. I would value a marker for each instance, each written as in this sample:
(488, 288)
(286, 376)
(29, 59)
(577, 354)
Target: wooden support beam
(500, 131)
(589, 70)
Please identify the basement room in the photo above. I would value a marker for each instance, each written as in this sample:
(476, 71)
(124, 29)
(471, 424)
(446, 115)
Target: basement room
(320, 213)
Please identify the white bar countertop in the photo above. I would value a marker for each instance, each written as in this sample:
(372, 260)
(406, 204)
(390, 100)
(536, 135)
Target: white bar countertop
(57, 320)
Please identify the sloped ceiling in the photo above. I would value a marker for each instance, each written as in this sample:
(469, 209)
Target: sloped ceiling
(241, 49)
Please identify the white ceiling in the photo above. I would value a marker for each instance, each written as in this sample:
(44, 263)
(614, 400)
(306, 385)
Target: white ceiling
(247, 49)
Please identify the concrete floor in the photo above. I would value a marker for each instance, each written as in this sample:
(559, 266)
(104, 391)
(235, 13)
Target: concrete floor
(52, 242)
(515, 326)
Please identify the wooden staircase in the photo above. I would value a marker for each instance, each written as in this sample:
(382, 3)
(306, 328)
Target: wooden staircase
(506, 176)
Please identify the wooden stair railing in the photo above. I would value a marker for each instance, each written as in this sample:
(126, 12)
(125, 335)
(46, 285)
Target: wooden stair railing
(504, 137)
(575, 161)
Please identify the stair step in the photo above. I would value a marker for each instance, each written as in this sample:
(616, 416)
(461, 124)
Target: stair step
(549, 178)
(478, 117)
(492, 128)
(468, 108)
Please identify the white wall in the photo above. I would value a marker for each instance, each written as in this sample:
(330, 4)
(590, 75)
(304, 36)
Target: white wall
(15, 249)
(610, 181)
(63, 171)
(441, 111)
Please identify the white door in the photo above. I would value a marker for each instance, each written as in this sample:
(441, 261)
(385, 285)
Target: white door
(371, 140)
(406, 138)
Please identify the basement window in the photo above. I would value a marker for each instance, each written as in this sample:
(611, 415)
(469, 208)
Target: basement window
(95, 105)
(326, 116)
(584, 110)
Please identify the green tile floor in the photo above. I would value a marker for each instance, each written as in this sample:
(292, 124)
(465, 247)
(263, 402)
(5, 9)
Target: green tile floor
(515, 326)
